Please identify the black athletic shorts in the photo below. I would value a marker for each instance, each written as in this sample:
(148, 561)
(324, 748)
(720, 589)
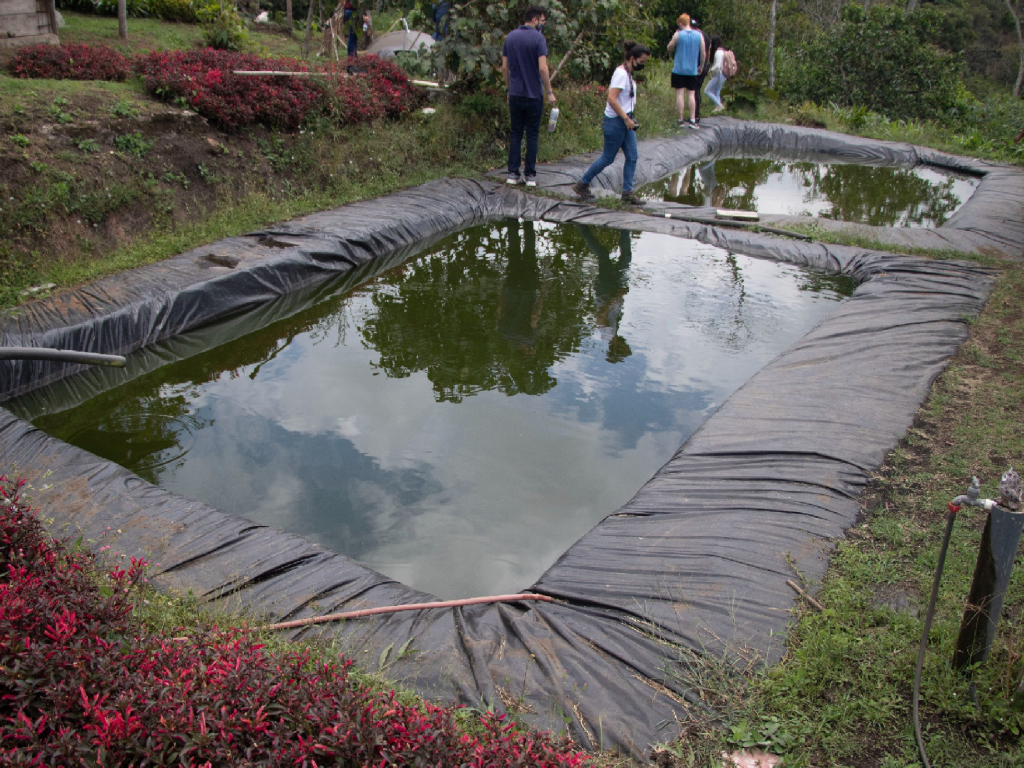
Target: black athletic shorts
(689, 82)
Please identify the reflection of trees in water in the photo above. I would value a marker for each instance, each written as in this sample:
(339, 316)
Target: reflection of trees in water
(876, 195)
(880, 196)
(146, 425)
(730, 183)
(146, 432)
(495, 308)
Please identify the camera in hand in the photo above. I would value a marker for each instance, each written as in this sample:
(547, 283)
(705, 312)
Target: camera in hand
(636, 125)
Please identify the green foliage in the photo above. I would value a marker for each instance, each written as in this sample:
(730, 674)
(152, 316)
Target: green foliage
(472, 51)
(884, 61)
(173, 10)
(223, 28)
(135, 8)
(168, 10)
(20, 139)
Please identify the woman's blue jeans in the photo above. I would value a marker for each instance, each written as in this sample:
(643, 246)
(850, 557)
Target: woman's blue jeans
(714, 89)
(616, 137)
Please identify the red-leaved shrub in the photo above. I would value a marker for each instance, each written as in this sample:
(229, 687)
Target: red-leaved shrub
(205, 81)
(82, 684)
(69, 62)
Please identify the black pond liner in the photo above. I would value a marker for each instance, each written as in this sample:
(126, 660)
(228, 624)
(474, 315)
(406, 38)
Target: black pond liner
(990, 221)
(697, 560)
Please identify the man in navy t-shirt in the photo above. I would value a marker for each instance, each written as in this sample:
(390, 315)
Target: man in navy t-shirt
(524, 65)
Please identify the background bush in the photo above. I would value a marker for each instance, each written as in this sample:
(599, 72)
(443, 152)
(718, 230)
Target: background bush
(883, 61)
(222, 26)
(169, 10)
(173, 10)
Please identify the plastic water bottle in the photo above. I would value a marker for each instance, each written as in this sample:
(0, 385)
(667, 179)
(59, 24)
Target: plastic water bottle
(553, 120)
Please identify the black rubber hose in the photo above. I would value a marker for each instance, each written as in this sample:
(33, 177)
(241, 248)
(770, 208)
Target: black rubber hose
(927, 630)
(60, 355)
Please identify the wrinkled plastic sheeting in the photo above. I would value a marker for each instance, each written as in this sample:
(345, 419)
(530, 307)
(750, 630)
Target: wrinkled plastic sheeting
(990, 222)
(695, 563)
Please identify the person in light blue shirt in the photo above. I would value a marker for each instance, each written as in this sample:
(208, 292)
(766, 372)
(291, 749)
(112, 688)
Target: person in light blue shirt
(690, 53)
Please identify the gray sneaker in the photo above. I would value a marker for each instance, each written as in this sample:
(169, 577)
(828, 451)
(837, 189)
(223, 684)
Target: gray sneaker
(513, 179)
(583, 190)
(531, 181)
(628, 198)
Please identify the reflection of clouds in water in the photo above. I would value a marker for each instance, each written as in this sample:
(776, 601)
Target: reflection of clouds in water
(318, 485)
(319, 437)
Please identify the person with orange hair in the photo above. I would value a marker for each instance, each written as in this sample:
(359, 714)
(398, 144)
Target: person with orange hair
(690, 54)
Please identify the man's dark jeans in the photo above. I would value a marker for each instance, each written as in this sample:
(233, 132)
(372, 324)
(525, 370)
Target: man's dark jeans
(525, 114)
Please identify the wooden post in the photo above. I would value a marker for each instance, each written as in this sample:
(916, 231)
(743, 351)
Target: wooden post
(309, 30)
(992, 572)
(51, 11)
(122, 19)
(771, 43)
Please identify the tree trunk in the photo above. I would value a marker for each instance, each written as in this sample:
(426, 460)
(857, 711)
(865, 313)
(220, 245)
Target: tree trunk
(309, 30)
(288, 16)
(1020, 44)
(51, 12)
(911, 6)
(771, 44)
(122, 19)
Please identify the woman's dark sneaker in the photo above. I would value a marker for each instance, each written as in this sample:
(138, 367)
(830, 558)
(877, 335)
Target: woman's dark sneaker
(583, 190)
(628, 198)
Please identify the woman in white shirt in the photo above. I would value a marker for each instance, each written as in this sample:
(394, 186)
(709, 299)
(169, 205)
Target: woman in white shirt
(619, 126)
(714, 89)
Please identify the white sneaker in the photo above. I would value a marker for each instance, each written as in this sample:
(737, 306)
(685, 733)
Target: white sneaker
(531, 181)
(513, 179)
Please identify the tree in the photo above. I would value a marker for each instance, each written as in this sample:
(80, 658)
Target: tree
(885, 60)
(122, 19)
(1020, 42)
(288, 16)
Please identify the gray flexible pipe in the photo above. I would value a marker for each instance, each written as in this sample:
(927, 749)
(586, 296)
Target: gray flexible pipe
(954, 507)
(61, 356)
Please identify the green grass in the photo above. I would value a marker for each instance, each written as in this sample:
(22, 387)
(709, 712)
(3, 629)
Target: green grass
(839, 237)
(154, 34)
(984, 128)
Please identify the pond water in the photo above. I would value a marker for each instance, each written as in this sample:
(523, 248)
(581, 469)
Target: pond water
(883, 196)
(460, 420)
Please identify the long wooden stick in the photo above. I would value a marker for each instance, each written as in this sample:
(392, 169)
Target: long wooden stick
(409, 607)
(568, 53)
(814, 603)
